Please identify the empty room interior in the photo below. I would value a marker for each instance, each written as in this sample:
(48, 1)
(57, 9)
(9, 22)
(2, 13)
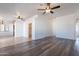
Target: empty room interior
(39, 29)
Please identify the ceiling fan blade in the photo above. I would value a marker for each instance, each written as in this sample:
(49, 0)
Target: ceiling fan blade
(51, 12)
(44, 13)
(55, 7)
(41, 9)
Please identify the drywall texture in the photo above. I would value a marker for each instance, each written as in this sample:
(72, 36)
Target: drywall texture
(19, 29)
(64, 26)
(43, 27)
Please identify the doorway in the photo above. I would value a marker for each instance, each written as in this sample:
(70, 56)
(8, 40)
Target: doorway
(30, 31)
(13, 30)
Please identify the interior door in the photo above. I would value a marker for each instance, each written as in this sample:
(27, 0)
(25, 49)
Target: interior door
(30, 30)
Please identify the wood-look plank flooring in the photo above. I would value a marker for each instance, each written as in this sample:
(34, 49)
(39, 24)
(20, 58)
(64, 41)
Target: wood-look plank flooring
(49, 46)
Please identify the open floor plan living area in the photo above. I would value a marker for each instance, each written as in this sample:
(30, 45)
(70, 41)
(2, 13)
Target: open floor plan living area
(39, 29)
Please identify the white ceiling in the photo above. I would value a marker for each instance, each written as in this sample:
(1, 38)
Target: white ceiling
(8, 10)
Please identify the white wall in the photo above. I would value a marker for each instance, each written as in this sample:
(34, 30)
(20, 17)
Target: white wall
(43, 27)
(27, 22)
(19, 29)
(64, 26)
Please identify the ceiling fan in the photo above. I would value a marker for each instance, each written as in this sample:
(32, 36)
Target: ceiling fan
(48, 8)
(19, 16)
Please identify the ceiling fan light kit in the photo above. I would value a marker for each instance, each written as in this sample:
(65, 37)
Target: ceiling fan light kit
(48, 10)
